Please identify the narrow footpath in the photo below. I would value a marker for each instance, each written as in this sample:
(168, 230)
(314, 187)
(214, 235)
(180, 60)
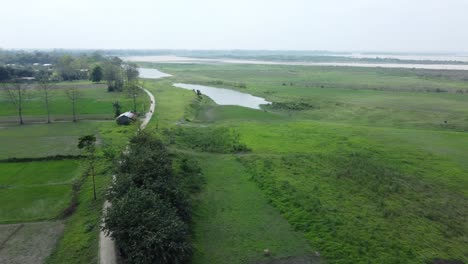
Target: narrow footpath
(107, 248)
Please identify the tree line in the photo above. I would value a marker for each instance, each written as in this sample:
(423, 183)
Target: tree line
(151, 207)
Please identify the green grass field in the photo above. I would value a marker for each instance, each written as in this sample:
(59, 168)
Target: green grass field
(367, 170)
(40, 140)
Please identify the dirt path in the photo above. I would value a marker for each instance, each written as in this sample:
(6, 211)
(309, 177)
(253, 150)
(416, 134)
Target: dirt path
(107, 248)
(148, 115)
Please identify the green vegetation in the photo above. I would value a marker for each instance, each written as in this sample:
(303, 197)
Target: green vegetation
(33, 191)
(80, 240)
(234, 222)
(150, 209)
(368, 164)
(42, 140)
(93, 102)
(48, 189)
(79, 243)
(96, 74)
(218, 140)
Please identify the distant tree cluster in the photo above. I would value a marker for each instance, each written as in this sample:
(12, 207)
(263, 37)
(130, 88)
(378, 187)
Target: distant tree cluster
(120, 75)
(150, 208)
(57, 66)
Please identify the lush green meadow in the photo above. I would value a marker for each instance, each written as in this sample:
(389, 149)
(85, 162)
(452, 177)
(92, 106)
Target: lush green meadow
(376, 97)
(368, 164)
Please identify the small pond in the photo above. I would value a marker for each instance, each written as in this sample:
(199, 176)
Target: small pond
(224, 96)
(152, 73)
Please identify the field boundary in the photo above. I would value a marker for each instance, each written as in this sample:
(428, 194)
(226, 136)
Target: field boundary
(47, 158)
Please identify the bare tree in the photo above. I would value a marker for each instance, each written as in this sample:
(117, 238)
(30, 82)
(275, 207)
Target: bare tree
(133, 91)
(73, 94)
(45, 87)
(16, 94)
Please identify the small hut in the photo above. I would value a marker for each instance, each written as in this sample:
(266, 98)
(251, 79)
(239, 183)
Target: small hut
(126, 118)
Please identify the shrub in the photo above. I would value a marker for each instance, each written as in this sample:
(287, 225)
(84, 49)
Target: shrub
(294, 106)
(217, 140)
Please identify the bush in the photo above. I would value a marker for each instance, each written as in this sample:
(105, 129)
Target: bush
(217, 140)
(294, 106)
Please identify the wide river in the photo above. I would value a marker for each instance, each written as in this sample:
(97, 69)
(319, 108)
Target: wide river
(177, 59)
(220, 96)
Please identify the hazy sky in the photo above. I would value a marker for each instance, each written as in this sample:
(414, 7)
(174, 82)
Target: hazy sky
(375, 25)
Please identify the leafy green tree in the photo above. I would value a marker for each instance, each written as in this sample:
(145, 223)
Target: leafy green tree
(147, 228)
(97, 74)
(67, 68)
(147, 164)
(113, 74)
(117, 108)
(88, 145)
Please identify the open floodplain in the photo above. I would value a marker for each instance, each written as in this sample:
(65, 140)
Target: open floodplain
(355, 165)
(46, 197)
(345, 165)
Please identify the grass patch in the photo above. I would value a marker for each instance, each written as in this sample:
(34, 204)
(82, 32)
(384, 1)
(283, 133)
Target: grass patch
(33, 203)
(39, 140)
(234, 223)
(357, 209)
(33, 191)
(216, 139)
(38, 173)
